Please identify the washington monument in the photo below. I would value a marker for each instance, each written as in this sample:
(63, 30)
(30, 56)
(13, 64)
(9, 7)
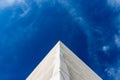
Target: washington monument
(62, 64)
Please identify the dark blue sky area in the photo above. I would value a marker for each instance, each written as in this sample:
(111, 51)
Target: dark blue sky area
(30, 28)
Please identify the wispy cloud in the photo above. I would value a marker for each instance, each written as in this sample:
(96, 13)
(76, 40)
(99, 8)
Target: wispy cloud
(25, 7)
(106, 49)
(76, 14)
(6, 3)
(117, 39)
(116, 22)
(115, 4)
(113, 72)
(13, 3)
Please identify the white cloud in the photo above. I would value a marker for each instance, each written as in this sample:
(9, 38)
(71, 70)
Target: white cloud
(114, 71)
(11, 3)
(6, 3)
(70, 6)
(25, 12)
(39, 2)
(106, 49)
(76, 14)
(117, 40)
(25, 7)
(114, 4)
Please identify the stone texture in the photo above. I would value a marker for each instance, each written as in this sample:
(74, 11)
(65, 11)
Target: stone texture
(62, 64)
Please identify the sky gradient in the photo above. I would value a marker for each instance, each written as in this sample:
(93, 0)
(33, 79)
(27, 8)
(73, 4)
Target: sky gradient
(30, 28)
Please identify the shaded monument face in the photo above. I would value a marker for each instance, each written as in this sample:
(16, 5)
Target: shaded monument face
(62, 64)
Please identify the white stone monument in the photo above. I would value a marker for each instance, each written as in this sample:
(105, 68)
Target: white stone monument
(62, 64)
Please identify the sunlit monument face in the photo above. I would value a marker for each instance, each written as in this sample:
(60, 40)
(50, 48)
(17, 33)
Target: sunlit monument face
(62, 64)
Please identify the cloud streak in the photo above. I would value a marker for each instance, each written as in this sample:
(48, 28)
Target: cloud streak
(114, 4)
(76, 14)
(117, 40)
(114, 71)
(6, 3)
(13, 3)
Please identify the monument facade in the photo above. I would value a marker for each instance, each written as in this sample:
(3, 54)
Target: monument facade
(62, 64)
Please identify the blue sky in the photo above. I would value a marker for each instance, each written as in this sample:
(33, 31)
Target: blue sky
(30, 28)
